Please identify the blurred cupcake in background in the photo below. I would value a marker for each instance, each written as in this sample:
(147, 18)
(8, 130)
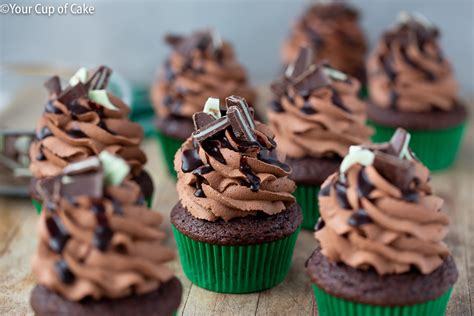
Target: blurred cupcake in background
(412, 85)
(201, 65)
(237, 222)
(316, 116)
(381, 237)
(80, 121)
(100, 249)
(332, 29)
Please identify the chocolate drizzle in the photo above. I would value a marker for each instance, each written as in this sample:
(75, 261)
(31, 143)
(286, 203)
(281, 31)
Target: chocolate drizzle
(58, 234)
(341, 195)
(190, 160)
(252, 179)
(64, 273)
(359, 217)
(102, 234)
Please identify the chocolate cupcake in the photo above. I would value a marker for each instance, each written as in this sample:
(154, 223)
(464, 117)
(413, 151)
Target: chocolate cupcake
(332, 29)
(81, 121)
(412, 85)
(316, 115)
(201, 65)
(100, 248)
(381, 237)
(237, 222)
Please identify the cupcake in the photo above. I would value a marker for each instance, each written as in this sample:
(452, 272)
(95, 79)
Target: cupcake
(412, 85)
(201, 65)
(315, 115)
(100, 249)
(332, 29)
(81, 121)
(381, 236)
(236, 222)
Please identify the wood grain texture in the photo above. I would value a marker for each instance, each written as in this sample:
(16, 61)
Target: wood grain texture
(292, 297)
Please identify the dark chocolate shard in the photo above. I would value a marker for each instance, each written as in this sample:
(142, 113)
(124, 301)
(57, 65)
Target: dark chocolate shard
(99, 79)
(279, 87)
(211, 129)
(71, 94)
(302, 62)
(240, 126)
(400, 173)
(202, 119)
(53, 85)
(312, 79)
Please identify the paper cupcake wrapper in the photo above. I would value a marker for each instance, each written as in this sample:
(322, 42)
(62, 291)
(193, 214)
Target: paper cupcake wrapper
(169, 147)
(307, 199)
(235, 269)
(38, 206)
(331, 305)
(437, 149)
(364, 93)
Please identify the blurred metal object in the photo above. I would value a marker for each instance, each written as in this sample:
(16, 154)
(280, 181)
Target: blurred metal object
(15, 174)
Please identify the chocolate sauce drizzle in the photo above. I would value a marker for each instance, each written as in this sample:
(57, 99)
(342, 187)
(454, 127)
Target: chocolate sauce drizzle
(63, 271)
(252, 179)
(58, 234)
(190, 160)
(103, 233)
(341, 195)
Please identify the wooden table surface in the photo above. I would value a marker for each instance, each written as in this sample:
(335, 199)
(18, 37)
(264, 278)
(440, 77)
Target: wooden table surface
(292, 297)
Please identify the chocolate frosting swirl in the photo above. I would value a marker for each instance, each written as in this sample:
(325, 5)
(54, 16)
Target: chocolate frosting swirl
(333, 31)
(382, 214)
(75, 128)
(201, 65)
(100, 247)
(225, 176)
(408, 72)
(321, 118)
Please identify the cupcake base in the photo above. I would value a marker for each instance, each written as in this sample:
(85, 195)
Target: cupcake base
(309, 173)
(340, 288)
(243, 255)
(162, 302)
(436, 136)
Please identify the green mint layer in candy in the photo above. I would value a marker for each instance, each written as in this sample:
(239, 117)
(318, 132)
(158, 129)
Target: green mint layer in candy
(79, 76)
(115, 168)
(100, 97)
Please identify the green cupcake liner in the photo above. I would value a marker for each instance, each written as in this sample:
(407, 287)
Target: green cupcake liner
(235, 269)
(331, 305)
(364, 93)
(437, 149)
(307, 199)
(37, 204)
(169, 147)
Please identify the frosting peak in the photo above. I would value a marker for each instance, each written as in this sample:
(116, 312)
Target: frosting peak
(81, 121)
(408, 72)
(316, 111)
(228, 168)
(96, 237)
(200, 65)
(379, 212)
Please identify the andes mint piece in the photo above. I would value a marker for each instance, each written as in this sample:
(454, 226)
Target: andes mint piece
(79, 76)
(115, 168)
(99, 79)
(83, 166)
(101, 97)
(399, 172)
(279, 87)
(71, 94)
(202, 119)
(356, 155)
(211, 129)
(334, 73)
(398, 144)
(313, 78)
(53, 85)
(302, 62)
(240, 125)
(240, 103)
(212, 107)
